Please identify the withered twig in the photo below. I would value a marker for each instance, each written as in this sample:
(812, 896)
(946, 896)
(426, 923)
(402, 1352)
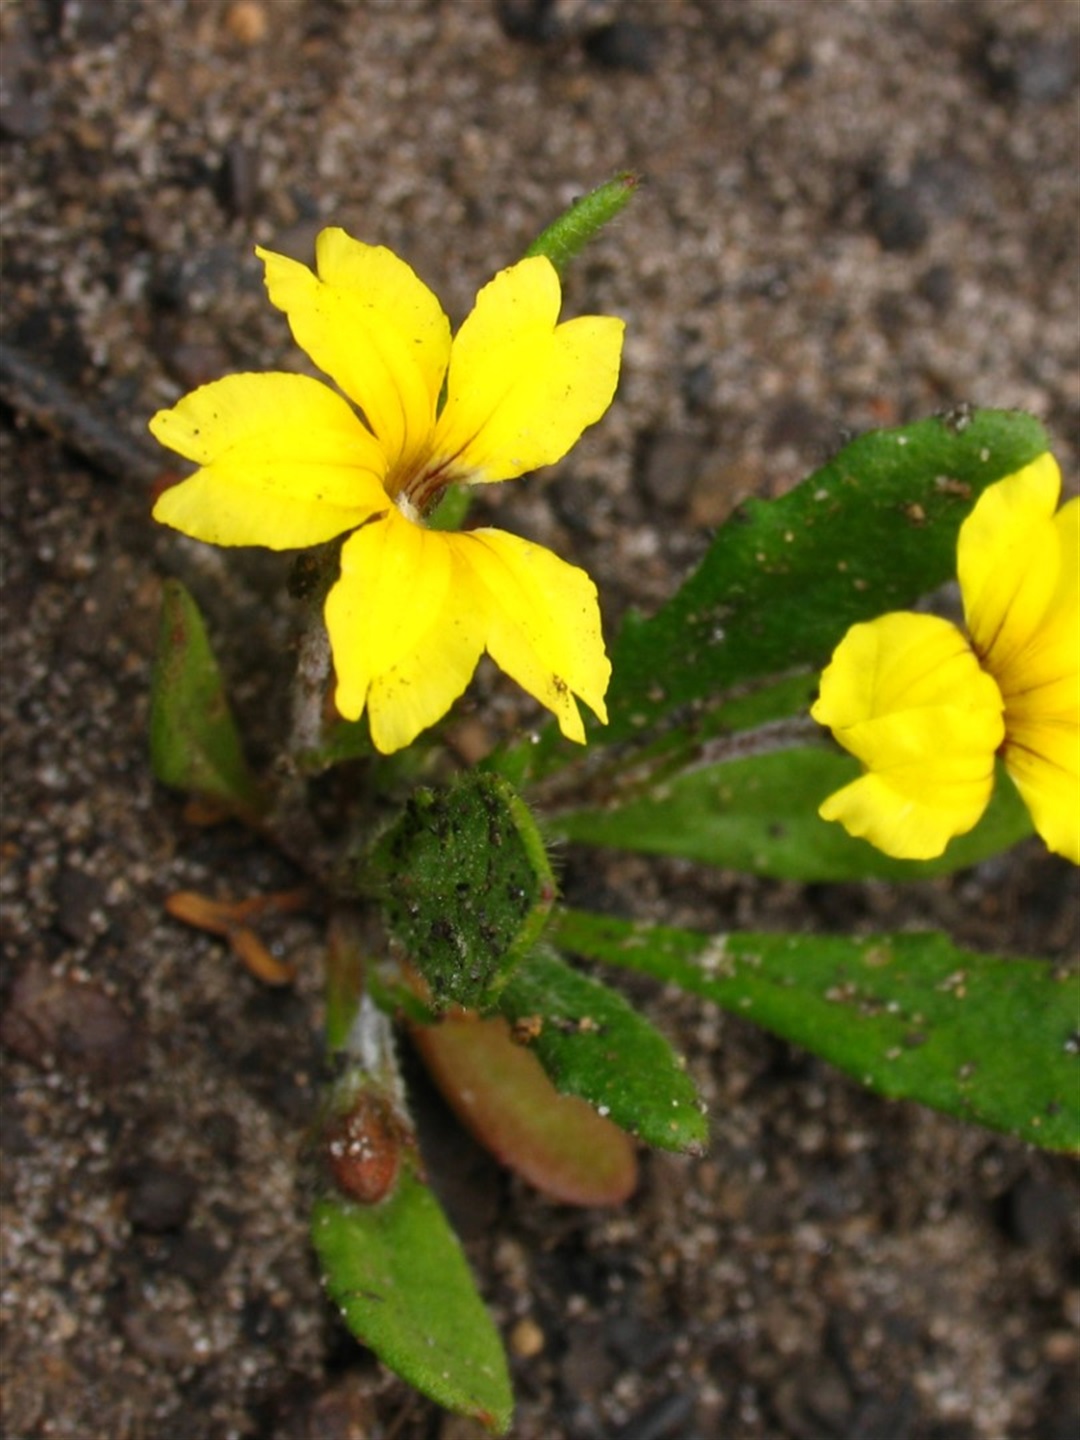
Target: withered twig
(31, 391)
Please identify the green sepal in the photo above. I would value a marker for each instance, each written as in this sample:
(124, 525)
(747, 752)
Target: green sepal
(397, 1273)
(194, 742)
(466, 886)
(913, 1017)
(452, 509)
(594, 1045)
(582, 221)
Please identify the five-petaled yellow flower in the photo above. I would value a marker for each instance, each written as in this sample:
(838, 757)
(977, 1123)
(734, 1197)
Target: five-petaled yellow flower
(284, 461)
(926, 708)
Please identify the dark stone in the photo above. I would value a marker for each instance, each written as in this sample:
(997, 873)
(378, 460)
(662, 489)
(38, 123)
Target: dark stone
(937, 286)
(796, 424)
(160, 1199)
(237, 181)
(662, 1420)
(221, 1131)
(533, 20)
(263, 1322)
(1044, 70)
(1035, 69)
(77, 896)
(896, 216)
(1037, 1214)
(24, 112)
(585, 1368)
(943, 184)
(882, 1417)
(55, 1020)
(669, 467)
(697, 388)
(624, 45)
(197, 1258)
(639, 1345)
(93, 22)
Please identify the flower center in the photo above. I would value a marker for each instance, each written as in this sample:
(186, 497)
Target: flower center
(422, 485)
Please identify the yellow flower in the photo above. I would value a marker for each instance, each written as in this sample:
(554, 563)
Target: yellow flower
(286, 462)
(926, 708)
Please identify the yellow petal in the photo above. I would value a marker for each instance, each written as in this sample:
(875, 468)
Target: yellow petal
(1044, 763)
(405, 640)
(542, 623)
(376, 329)
(522, 388)
(284, 463)
(906, 696)
(1042, 704)
(1008, 562)
(898, 662)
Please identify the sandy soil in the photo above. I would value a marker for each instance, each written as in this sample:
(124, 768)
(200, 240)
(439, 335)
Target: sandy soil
(855, 213)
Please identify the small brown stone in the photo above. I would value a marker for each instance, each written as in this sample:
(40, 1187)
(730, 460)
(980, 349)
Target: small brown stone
(527, 1339)
(246, 22)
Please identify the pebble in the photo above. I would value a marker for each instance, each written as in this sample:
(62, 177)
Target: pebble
(896, 217)
(624, 45)
(24, 109)
(670, 465)
(1037, 1214)
(1037, 69)
(663, 1420)
(246, 22)
(198, 1258)
(937, 286)
(160, 1199)
(237, 181)
(527, 1339)
(79, 897)
(533, 20)
(55, 1020)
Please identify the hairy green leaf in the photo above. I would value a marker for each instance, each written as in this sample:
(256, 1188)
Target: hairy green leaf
(593, 1044)
(194, 744)
(783, 580)
(397, 1273)
(913, 1017)
(759, 814)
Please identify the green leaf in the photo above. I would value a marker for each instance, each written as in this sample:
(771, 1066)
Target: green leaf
(567, 236)
(593, 1044)
(398, 1275)
(500, 1093)
(759, 815)
(466, 885)
(194, 744)
(784, 579)
(911, 1016)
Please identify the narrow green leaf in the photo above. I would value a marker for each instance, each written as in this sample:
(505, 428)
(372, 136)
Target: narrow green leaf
(593, 1044)
(783, 580)
(398, 1275)
(194, 744)
(466, 885)
(582, 221)
(500, 1093)
(759, 815)
(913, 1017)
